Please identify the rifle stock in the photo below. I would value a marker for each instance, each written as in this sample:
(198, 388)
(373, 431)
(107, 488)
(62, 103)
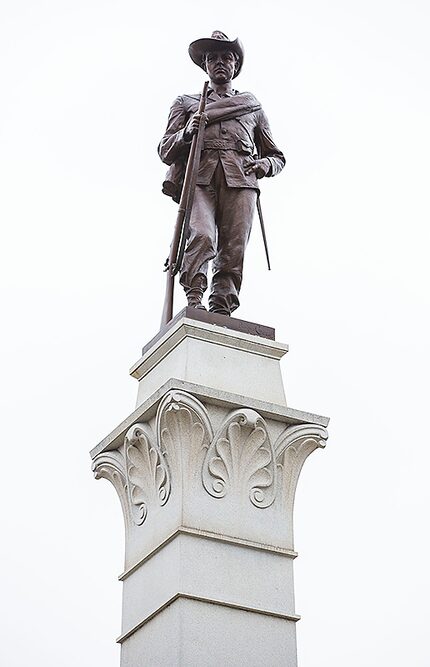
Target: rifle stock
(177, 246)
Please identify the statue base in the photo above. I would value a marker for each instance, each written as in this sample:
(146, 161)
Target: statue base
(216, 351)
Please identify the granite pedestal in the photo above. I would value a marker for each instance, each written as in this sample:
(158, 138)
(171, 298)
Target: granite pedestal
(206, 469)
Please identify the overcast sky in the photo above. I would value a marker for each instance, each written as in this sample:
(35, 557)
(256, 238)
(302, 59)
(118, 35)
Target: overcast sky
(85, 89)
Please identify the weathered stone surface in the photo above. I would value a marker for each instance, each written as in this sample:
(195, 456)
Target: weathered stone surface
(194, 633)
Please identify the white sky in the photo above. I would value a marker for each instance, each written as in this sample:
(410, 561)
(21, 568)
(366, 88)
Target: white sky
(86, 88)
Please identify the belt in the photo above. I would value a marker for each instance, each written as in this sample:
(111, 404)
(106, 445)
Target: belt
(225, 145)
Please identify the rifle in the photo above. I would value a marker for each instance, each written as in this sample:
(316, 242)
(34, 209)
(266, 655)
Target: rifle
(177, 247)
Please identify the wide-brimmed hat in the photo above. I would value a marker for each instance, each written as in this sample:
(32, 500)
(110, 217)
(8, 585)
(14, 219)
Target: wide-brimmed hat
(216, 42)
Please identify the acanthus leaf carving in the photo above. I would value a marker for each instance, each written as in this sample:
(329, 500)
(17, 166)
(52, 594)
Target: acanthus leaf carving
(241, 460)
(148, 476)
(184, 430)
(292, 448)
(110, 465)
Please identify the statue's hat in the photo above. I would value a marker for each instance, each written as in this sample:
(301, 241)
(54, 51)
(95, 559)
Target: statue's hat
(218, 41)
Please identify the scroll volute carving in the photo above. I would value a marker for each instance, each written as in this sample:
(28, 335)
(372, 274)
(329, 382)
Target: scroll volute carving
(240, 461)
(111, 466)
(292, 449)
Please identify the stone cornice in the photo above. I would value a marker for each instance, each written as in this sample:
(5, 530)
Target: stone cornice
(149, 407)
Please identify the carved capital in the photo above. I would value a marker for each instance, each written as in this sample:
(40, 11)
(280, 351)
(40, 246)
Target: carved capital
(182, 454)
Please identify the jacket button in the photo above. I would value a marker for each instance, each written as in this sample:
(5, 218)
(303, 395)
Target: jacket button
(224, 131)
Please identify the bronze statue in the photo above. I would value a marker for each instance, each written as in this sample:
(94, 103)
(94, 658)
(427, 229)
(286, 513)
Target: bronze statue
(237, 149)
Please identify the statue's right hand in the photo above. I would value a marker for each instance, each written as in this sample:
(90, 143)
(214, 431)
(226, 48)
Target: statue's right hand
(192, 126)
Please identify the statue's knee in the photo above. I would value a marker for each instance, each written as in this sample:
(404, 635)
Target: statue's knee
(203, 240)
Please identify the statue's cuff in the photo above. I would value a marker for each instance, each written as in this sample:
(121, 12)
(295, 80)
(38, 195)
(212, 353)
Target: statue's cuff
(270, 172)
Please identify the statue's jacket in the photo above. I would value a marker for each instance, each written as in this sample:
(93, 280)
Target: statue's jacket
(237, 132)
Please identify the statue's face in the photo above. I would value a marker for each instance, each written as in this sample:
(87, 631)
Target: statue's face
(221, 66)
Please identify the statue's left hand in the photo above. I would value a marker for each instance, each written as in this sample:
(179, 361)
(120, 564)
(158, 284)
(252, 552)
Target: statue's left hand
(259, 167)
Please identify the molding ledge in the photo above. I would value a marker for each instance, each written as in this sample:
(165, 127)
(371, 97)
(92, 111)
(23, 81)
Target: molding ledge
(203, 534)
(196, 598)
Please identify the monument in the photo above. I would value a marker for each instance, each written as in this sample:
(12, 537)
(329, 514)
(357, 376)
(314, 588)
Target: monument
(207, 464)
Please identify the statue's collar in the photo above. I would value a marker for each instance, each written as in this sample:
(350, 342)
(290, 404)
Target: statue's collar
(215, 96)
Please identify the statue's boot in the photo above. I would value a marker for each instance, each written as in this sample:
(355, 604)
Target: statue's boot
(194, 298)
(224, 296)
(195, 292)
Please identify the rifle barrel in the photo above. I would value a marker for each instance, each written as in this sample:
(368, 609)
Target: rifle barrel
(184, 211)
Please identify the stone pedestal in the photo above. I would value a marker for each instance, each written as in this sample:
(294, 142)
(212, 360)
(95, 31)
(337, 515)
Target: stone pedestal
(206, 469)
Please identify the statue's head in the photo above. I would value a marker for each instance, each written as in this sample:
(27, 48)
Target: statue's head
(220, 57)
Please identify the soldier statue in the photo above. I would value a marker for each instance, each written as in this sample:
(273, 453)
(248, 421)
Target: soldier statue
(237, 150)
